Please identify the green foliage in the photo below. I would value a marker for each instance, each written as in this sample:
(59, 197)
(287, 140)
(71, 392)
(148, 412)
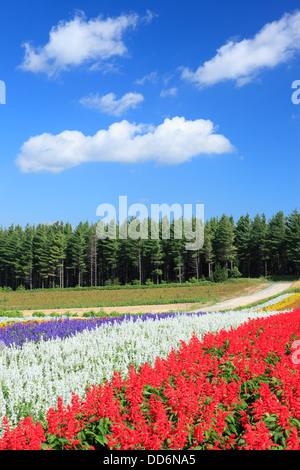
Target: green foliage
(60, 256)
(242, 242)
(93, 435)
(235, 273)
(292, 236)
(21, 288)
(6, 289)
(220, 274)
(11, 314)
(92, 313)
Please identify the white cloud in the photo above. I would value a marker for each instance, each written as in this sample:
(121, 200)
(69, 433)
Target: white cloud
(274, 44)
(110, 104)
(175, 141)
(152, 77)
(169, 92)
(80, 41)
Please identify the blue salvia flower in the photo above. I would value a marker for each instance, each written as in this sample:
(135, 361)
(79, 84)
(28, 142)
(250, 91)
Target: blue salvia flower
(17, 333)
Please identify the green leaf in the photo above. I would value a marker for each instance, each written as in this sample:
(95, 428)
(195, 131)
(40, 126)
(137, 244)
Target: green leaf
(295, 422)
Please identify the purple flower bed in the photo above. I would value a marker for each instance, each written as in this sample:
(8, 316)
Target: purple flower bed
(17, 333)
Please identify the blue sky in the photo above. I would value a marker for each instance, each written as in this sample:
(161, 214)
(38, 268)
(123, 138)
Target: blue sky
(161, 101)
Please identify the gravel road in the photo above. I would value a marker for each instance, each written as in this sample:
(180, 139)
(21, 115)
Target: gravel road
(274, 289)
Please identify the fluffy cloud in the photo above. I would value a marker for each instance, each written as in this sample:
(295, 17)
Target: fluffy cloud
(79, 41)
(110, 104)
(275, 43)
(175, 141)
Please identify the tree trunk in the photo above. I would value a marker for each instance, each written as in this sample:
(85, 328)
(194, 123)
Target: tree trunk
(140, 267)
(95, 263)
(30, 276)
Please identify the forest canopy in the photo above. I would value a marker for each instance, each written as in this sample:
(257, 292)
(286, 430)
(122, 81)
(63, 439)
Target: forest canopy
(59, 255)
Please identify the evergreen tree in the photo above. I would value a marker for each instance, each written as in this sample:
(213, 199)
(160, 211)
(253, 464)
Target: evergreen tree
(9, 257)
(79, 243)
(224, 242)
(3, 261)
(242, 243)
(41, 255)
(207, 250)
(17, 267)
(110, 252)
(153, 252)
(56, 254)
(292, 240)
(65, 271)
(27, 256)
(93, 256)
(137, 234)
(232, 250)
(177, 249)
(257, 245)
(194, 234)
(276, 240)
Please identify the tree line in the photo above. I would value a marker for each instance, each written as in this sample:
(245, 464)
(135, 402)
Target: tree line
(59, 255)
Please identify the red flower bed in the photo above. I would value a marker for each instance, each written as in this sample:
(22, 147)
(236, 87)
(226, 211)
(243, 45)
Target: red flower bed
(234, 390)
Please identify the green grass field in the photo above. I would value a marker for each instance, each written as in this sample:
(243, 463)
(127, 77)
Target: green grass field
(204, 293)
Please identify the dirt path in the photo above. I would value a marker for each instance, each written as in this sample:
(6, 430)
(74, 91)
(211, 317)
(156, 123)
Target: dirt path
(252, 294)
(274, 289)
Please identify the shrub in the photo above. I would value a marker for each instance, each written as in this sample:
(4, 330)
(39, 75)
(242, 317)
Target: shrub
(21, 288)
(38, 314)
(11, 313)
(235, 273)
(220, 274)
(91, 313)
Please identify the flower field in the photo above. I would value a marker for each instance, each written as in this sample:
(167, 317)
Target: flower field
(288, 302)
(219, 380)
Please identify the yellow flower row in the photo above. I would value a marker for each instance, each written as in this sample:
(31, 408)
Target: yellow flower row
(291, 302)
(4, 324)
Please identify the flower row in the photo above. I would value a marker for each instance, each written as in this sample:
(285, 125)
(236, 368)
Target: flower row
(288, 303)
